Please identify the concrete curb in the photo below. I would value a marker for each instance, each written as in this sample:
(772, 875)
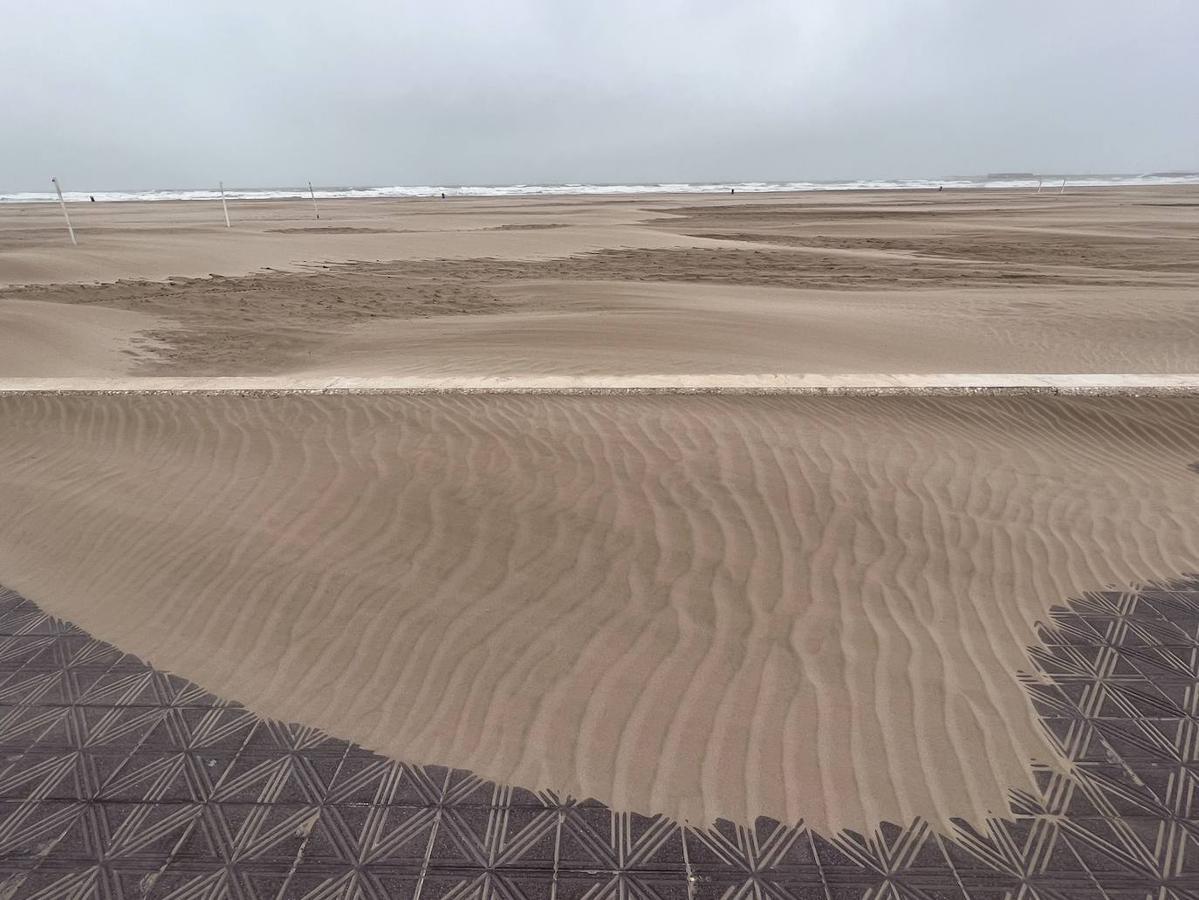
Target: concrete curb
(1099, 384)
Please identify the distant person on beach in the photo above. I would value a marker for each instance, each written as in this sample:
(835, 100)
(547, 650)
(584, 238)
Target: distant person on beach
(443, 195)
(90, 197)
(940, 187)
(732, 190)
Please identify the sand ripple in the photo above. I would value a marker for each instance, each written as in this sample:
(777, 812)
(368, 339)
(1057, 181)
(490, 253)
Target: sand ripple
(704, 606)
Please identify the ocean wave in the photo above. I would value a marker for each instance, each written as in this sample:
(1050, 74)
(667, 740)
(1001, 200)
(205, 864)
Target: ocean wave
(1020, 180)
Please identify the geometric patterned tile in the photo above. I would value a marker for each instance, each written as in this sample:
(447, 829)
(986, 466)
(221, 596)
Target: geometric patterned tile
(120, 781)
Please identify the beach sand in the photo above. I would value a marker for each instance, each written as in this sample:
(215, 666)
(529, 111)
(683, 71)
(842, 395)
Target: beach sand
(705, 606)
(708, 606)
(982, 281)
(46, 339)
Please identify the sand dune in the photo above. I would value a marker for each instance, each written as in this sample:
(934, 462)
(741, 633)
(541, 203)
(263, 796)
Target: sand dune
(604, 327)
(706, 606)
(353, 324)
(50, 338)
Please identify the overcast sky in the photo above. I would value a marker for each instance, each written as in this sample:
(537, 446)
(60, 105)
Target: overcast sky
(158, 94)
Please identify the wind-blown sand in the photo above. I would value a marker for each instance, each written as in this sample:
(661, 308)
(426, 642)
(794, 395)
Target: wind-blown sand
(47, 338)
(799, 607)
(705, 606)
(982, 281)
(684, 329)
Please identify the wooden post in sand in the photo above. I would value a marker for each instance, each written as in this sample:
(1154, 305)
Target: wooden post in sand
(63, 204)
(316, 211)
(224, 205)
(1063, 190)
(1040, 182)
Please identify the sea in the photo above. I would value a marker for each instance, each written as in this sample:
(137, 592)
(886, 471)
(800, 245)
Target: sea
(993, 181)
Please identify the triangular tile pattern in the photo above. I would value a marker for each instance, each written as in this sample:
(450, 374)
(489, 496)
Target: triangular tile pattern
(120, 781)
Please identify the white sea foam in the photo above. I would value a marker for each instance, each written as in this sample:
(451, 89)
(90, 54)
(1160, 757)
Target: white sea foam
(520, 190)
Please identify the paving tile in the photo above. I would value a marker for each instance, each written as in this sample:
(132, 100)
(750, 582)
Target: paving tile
(120, 781)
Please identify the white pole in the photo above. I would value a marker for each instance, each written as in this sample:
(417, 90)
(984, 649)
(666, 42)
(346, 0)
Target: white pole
(313, 193)
(224, 205)
(63, 204)
(1063, 190)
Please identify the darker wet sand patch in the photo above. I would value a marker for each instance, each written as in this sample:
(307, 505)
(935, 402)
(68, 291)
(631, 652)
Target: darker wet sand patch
(530, 226)
(330, 229)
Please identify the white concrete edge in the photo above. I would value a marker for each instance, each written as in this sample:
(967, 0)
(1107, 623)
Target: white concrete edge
(600, 384)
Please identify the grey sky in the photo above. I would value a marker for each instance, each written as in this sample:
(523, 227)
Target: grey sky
(157, 94)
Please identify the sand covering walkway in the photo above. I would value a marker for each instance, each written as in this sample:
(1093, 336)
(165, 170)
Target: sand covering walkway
(160, 774)
(800, 607)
